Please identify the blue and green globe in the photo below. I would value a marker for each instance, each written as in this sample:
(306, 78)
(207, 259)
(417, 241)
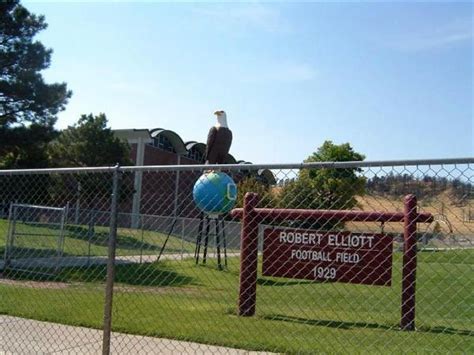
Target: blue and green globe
(215, 193)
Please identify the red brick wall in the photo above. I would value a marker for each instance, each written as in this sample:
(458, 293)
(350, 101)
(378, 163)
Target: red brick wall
(158, 188)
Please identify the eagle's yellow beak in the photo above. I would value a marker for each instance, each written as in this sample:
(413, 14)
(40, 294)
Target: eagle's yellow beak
(217, 113)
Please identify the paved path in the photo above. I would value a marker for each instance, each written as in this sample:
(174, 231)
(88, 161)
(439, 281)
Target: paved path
(26, 336)
(84, 261)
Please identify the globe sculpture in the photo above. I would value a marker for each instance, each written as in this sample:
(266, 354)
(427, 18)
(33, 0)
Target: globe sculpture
(215, 193)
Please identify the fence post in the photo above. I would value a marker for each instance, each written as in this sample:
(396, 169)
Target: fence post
(142, 231)
(409, 264)
(111, 263)
(10, 234)
(78, 204)
(248, 256)
(182, 239)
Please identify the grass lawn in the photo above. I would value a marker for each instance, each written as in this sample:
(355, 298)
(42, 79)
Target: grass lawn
(79, 242)
(179, 300)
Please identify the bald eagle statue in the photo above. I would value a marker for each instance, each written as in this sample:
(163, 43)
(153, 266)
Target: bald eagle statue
(219, 140)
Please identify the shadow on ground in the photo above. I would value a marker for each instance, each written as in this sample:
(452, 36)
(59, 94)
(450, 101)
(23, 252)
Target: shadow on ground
(351, 325)
(101, 238)
(272, 282)
(129, 274)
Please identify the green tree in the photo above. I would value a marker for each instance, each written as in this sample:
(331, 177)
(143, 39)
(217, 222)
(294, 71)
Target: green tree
(26, 146)
(326, 188)
(90, 143)
(251, 184)
(28, 105)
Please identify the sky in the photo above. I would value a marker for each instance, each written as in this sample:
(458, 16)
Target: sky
(394, 79)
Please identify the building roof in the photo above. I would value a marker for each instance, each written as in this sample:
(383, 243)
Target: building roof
(173, 137)
(180, 147)
(132, 135)
(200, 147)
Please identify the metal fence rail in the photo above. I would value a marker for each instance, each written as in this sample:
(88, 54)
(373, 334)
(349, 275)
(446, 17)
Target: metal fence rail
(320, 257)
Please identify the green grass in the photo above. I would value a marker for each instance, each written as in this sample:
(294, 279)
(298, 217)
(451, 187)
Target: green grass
(179, 300)
(78, 241)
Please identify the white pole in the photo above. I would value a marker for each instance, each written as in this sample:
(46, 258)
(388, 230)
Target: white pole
(137, 185)
(182, 238)
(175, 210)
(176, 188)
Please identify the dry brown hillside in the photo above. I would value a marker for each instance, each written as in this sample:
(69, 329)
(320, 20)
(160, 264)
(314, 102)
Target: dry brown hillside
(450, 216)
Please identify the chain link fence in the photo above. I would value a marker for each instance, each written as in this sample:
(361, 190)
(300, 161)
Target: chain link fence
(324, 257)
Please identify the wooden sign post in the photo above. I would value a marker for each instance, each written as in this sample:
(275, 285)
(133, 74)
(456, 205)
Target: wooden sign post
(327, 256)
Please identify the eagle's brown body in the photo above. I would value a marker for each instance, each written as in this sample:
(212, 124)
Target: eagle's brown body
(219, 140)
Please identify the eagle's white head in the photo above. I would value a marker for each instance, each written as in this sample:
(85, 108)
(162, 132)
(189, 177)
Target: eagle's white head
(221, 119)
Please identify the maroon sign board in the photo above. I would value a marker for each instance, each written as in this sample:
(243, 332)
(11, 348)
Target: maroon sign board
(359, 258)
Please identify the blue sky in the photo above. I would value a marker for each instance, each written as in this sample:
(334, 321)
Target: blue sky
(393, 79)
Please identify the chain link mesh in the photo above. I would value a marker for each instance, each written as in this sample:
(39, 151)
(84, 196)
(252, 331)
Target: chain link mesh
(177, 270)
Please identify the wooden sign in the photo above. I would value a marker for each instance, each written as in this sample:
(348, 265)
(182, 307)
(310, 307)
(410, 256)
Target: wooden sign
(359, 258)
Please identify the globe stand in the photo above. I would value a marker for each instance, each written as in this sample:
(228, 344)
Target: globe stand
(219, 235)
